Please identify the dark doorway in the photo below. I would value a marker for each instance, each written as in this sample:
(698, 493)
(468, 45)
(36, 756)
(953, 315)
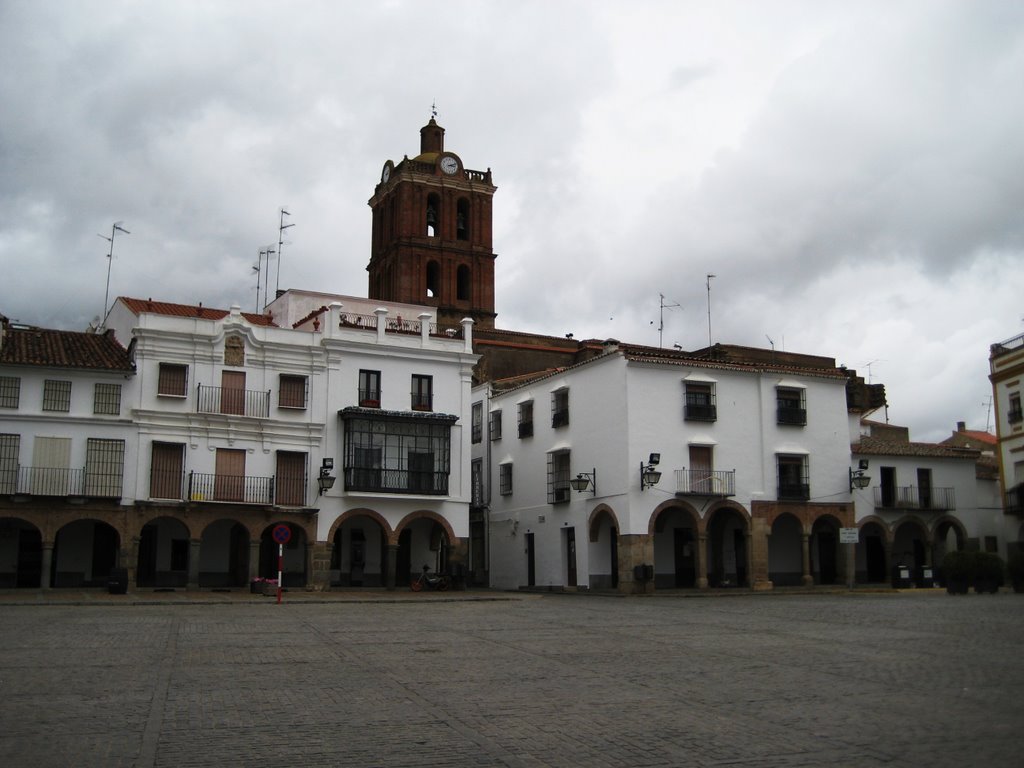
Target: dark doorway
(887, 479)
(531, 573)
(615, 558)
(104, 553)
(570, 555)
(827, 557)
(685, 557)
(403, 563)
(874, 554)
(739, 543)
(30, 558)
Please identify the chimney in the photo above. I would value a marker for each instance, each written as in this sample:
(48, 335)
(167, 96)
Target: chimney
(961, 426)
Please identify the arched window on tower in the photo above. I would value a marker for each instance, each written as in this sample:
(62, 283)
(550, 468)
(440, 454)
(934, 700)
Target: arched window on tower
(462, 220)
(462, 283)
(433, 214)
(433, 279)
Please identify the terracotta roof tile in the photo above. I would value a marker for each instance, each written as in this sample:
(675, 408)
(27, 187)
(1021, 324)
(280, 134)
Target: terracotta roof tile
(63, 349)
(138, 306)
(882, 447)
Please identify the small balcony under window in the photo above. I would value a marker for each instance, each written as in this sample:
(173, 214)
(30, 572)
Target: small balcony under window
(705, 482)
(699, 403)
(233, 402)
(791, 408)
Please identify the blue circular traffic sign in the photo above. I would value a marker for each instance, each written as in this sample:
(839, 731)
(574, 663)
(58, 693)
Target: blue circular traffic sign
(282, 533)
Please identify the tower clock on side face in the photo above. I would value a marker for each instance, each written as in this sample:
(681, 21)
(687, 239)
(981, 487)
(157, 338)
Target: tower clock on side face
(449, 165)
(386, 173)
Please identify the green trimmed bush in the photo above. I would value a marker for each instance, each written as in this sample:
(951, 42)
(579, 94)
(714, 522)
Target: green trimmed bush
(988, 572)
(1015, 570)
(957, 570)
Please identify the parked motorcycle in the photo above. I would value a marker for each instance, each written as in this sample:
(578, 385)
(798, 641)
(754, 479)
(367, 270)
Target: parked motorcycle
(425, 580)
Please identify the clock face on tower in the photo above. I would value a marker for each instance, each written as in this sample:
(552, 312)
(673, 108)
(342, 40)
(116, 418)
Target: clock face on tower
(449, 165)
(386, 173)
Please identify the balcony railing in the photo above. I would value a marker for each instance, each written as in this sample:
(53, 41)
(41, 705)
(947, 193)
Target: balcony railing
(1015, 415)
(412, 327)
(706, 482)
(1013, 502)
(914, 497)
(396, 481)
(60, 481)
(702, 411)
(238, 489)
(234, 402)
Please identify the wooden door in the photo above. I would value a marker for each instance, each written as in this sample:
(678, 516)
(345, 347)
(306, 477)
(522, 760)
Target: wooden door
(229, 483)
(700, 469)
(232, 392)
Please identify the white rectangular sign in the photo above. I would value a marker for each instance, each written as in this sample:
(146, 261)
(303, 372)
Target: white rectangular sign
(849, 535)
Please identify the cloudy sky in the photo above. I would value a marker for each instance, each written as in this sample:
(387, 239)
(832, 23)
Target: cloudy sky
(850, 172)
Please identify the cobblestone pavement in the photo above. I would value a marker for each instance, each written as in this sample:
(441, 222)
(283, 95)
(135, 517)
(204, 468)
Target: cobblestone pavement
(557, 680)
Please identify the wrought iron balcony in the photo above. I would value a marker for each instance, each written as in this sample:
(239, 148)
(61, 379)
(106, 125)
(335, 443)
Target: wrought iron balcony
(914, 497)
(706, 482)
(699, 406)
(60, 481)
(791, 415)
(234, 402)
(1015, 415)
(376, 480)
(1013, 503)
(238, 489)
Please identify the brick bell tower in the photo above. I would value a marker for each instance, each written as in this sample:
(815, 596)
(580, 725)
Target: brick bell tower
(431, 239)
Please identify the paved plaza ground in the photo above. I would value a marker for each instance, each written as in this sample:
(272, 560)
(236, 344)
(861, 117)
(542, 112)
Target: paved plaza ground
(898, 679)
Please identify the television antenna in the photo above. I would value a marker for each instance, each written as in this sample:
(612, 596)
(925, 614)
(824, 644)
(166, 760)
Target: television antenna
(280, 243)
(110, 260)
(662, 306)
(710, 276)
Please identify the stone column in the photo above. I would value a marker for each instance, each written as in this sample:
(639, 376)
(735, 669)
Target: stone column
(458, 561)
(193, 563)
(702, 559)
(254, 558)
(128, 558)
(44, 578)
(757, 546)
(391, 556)
(634, 550)
(320, 565)
(749, 564)
(808, 580)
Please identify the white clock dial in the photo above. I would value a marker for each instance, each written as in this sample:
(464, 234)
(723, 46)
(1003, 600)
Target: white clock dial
(449, 165)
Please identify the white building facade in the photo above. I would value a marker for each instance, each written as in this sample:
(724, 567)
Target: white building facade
(922, 500)
(1006, 366)
(753, 459)
(341, 420)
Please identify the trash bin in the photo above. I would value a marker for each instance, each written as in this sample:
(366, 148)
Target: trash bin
(117, 581)
(901, 577)
(926, 579)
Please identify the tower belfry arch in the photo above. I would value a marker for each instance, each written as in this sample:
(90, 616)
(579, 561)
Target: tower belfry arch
(432, 233)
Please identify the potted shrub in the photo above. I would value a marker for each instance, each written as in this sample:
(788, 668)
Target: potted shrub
(988, 572)
(1015, 569)
(956, 569)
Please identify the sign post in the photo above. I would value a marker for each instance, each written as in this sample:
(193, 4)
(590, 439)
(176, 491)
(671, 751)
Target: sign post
(282, 534)
(850, 537)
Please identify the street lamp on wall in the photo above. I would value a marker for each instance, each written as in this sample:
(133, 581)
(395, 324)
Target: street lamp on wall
(325, 481)
(857, 477)
(648, 474)
(585, 481)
